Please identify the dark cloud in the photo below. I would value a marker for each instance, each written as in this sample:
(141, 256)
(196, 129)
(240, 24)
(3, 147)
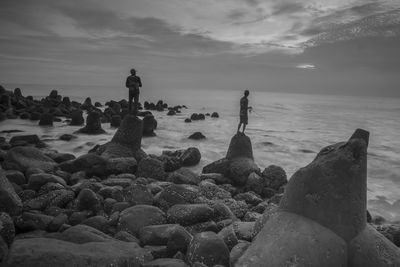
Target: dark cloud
(287, 8)
(252, 2)
(236, 14)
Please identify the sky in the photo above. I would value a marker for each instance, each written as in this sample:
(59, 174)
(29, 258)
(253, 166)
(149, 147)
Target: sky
(322, 46)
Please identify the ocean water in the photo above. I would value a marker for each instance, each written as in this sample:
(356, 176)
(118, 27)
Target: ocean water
(285, 129)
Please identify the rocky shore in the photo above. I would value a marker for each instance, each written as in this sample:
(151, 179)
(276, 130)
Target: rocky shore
(119, 206)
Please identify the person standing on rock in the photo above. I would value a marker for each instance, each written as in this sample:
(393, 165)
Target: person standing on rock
(244, 107)
(133, 83)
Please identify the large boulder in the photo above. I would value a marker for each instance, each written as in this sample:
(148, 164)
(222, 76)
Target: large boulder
(190, 156)
(126, 141)
(240, 147)
(9, 200)
(82, 234)
(77, 118)
(23, 158)
(209, 249)
(149, 125)
(47, 252)
(151, 168)
(46, 119)
(188, 214)
(177, 194)
(134, 218)
(93, 124)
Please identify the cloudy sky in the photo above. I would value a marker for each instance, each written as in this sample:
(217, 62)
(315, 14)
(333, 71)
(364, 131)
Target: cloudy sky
(316, 46)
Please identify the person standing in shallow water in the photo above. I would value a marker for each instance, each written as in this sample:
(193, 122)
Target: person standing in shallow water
(244, 107)
(133, 83)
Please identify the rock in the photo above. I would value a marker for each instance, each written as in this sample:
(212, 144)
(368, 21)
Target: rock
(177, 194)
(126, 237)
(126, 141)
(237, 251)
(47, 252)
(244, 230)
(151, 168)
(134, 218)
(87, 104)
(157, 235)
(391, 232)
(240, 147)
(9, 200)
(208, 248)
(190, 157)
(274, 177)
(38, 180)
(178, 240)
(98, 104)
(323, 209)
(67, 137)
(93, 125)
(88, 200)
(229, 236)
(171, 112)
(149, 125)
(137, 194)
(46, 119)
(215, 115)
(188, 214)
(216, 177)
(249, 197)
(100, 223)
(121, 165)
(116, 121)
(255, 183)
(220, 166)
(91, 163)
(184, 176)
(7, 229)
(77, 118)
(213, 191)
(23, 158)
(15, 177)
(35, 116)
(240, 169)
(61, 157)
(187, 120)
(166, 262)
(197, 136)
(29, 221)
(32, 139)
(251, 216)
(3, 249)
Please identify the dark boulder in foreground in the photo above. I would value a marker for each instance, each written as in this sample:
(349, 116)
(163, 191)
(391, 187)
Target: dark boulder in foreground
(93, 124)
(48, 252)
(9, 200)
(126, 141)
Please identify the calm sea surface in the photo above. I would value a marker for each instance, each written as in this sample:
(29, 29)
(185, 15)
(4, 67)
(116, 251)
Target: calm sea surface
(285, 129)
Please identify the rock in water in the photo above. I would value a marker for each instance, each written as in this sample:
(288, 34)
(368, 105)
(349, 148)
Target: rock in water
(238, 163)
(46, 119)
(126, 141)
(48, 252)
(149, 125)
(9, 200)
(93, 124)
(321, 219)
(77, 118)
(240, 147)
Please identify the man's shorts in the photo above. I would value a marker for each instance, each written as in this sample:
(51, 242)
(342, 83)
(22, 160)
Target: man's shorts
(133, 93)
(244, 119)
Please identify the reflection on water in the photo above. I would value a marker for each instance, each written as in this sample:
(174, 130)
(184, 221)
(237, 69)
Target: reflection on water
(285, 129)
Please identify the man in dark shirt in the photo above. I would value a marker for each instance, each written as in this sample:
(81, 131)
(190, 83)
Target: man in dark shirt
(133, 83)
(244, 107)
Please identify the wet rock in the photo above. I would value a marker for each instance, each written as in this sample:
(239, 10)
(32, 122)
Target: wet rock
(77, 118)
(88, 200)
(15, 177)
(7, 229)
(238, 250)
(23, 158)
(151, 168)
(93, 125)
(215, 115)
(274, 177)
(100, 223)
(9, 200)
(208, 248)
(184, 176)
(187, 120)
(38, 180)
(240, 169)
(197, 136)
(32, 139)
(121, 165)
(188, 214)
(216, 177)
(229, 236)
(171, 112)
(157, 235)
(134, 218)
(87, 104)
(137, 194)
(47, 252)
(190, 157)
(67, 137)
(126, 237)
(220, 166)
(126, 141)
(116, 121)
(149, 125)
(178, 240)
(46, 119)
(177, 194)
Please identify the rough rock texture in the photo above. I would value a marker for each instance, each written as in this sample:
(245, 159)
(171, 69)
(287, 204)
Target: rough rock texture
(188, 214)
(151, 168)
(126, 141)
(23, 158)
(9, 200)
(209, 249)
(190, 156)
(134, 218)
(47, 252)
(149, 125)
(240, 147)
(93, 124)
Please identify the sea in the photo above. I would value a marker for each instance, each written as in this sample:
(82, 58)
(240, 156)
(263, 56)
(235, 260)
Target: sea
(285, 129)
